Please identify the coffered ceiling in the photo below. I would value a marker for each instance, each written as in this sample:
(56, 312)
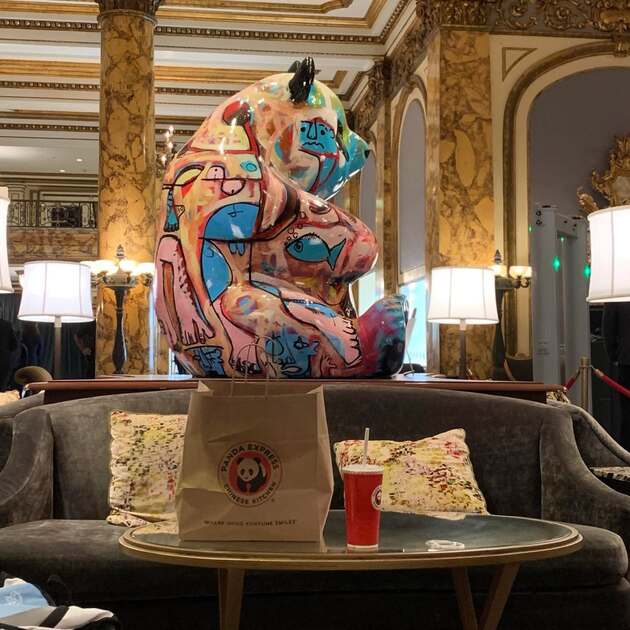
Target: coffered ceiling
(205, 50)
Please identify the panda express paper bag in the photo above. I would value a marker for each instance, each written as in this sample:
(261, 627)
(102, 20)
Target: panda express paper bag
(256, 464)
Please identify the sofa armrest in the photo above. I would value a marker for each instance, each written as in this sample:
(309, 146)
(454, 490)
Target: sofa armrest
(597, 447)
(26, 479)
(570, 491)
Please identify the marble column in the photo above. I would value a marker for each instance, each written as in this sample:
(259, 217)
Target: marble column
(460, 197)
(127, 199)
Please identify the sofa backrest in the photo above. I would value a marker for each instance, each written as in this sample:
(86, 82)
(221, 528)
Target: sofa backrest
(503, 435)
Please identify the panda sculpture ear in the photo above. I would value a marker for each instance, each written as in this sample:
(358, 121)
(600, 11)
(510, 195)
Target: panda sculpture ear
(302, 80)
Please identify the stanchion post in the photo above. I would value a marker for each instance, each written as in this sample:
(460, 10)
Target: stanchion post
(585, 370)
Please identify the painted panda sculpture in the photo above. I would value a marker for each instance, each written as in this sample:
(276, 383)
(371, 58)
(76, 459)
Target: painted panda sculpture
(254, 266)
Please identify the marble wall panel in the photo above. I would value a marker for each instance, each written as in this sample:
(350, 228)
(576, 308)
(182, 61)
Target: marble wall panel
(127, 173)
(460, 205)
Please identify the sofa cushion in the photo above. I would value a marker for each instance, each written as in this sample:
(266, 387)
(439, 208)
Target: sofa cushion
(146, 453)
(85, 555)
(422, 476)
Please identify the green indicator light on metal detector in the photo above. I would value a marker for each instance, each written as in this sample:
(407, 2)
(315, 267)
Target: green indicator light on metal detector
(587, 271)
(556, 263)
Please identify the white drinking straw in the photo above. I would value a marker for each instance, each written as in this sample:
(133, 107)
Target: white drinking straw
(366, 439)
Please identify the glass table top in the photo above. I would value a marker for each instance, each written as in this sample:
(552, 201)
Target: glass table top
(400, 534)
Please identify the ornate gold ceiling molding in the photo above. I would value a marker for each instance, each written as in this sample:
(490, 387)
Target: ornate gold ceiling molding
(39, 115)
(94, 87)
(84, 6)
(189, 31)
(9, 126)
(276, 7)
(197, 15)
(375, 94)
(184, 74)
(146, 7)
(583, 17)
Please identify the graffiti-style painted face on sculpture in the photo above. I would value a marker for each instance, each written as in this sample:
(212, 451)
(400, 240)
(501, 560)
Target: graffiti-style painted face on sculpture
(253, 263)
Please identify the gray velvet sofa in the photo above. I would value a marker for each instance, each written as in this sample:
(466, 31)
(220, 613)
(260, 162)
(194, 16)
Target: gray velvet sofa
(53, 499)
(595, 444)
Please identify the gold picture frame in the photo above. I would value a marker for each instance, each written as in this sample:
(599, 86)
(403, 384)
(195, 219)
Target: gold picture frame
(614, 184)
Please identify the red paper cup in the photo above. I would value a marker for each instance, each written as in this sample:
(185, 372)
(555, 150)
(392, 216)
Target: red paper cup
(362, 494)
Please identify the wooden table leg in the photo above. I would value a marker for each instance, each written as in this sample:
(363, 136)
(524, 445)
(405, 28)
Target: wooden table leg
(498, 596)
(465, 603)
(230, 598)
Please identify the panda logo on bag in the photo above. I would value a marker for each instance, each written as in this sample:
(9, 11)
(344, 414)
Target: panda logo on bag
(250, 473)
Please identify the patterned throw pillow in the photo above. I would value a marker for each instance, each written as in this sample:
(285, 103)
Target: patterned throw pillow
(9, 397)
(146, 453)
(427, 476)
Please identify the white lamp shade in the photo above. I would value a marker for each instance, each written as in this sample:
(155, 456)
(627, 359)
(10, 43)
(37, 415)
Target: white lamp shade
(610, 255)
(5, 274)
(52, 289)
(462, 295)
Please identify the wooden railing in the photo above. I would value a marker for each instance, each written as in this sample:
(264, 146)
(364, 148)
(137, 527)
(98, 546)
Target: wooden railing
(52, 214)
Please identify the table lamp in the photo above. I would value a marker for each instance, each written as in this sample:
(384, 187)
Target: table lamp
(463, 296)
(56, 292)
(5, 274)
(610, 255)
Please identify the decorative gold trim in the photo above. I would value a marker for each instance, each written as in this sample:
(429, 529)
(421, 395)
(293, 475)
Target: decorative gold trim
(376, 93)
(507, 67)
(618, 167)
(189, 31)
(74, 128)
(146, 8)
(72, 69)
(25, 114)
(366, 22)
(56, 176)
(244, 5)
(94, 87)
(85, 7)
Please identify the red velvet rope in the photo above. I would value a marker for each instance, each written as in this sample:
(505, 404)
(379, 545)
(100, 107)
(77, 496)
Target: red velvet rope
(571, 382)
(620, 388)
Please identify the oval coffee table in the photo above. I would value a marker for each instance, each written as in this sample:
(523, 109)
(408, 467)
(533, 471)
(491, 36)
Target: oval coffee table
(503, 541)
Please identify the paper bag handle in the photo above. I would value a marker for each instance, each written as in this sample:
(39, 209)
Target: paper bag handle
(256, 346)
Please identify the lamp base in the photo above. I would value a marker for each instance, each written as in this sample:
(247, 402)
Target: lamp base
(463, 371)
(57, 354)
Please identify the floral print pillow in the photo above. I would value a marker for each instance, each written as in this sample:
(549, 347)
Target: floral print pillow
(146, 453)
(433, 475)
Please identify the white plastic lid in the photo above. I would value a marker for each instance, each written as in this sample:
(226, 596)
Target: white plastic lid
(363, 469)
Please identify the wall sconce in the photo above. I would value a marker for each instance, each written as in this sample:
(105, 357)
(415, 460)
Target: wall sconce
(505, 279)
(120, 275)
(516, 277)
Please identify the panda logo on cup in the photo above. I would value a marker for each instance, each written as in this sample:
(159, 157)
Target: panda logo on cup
(250, 473)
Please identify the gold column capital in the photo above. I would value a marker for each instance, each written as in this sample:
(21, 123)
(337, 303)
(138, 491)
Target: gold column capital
(147, 8)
